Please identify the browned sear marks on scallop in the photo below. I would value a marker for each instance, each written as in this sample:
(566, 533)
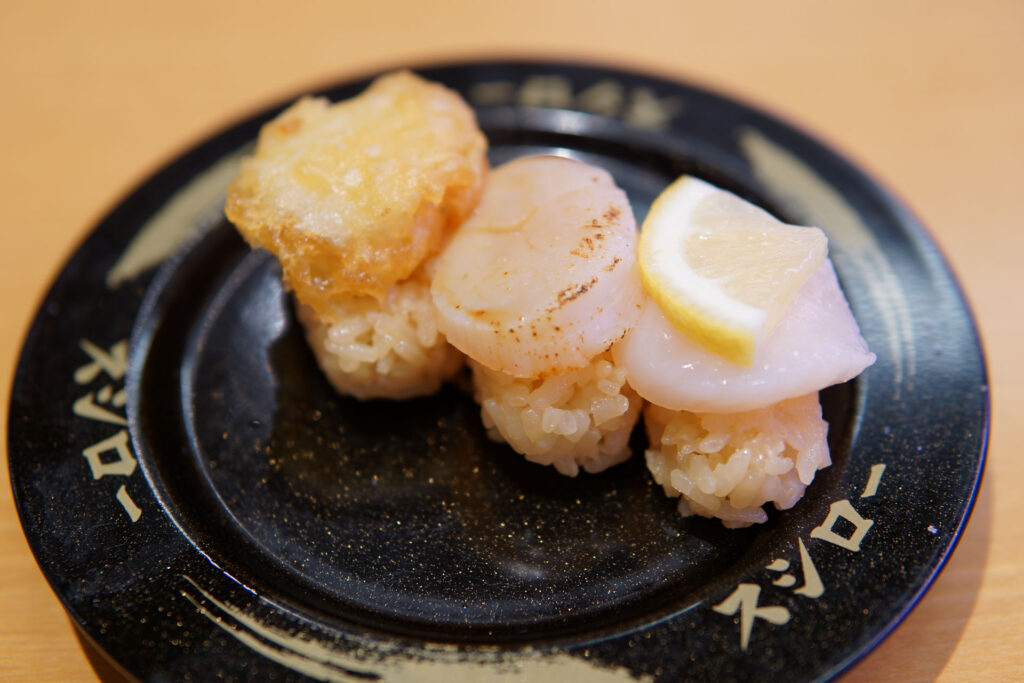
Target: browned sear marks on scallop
(585, 248)
(573, 292)
(611, 266)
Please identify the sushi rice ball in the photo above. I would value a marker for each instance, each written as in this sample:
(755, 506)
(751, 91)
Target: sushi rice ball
(728, 465)
(574, 419)
(383, 349)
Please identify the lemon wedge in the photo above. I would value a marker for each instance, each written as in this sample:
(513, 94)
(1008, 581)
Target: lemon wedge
(722, 270)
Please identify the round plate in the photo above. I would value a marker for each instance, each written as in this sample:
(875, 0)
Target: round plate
(205, 505)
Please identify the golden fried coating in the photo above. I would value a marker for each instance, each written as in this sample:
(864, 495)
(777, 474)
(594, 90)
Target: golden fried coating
(352, 197)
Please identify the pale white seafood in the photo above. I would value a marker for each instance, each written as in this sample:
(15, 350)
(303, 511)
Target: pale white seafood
(543, 275)
(816, 344)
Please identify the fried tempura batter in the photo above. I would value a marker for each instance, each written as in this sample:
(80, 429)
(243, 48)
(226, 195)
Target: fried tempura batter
(352, 197)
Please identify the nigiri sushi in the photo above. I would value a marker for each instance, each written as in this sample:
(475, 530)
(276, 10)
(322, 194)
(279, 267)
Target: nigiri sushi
(353, 199)
(728, 437)
(534, 288)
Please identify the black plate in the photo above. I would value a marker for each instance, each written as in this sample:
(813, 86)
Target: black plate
(204, 504)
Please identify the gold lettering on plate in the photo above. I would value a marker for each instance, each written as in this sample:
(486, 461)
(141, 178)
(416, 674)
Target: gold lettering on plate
(785, 581)
(87, 407)
(744, 600)
(812, 586)
(133, 510)
(123, 465)
(639, 106)
(647, 111)
(113, 455)
(873, 481)
(604, 97)
(114, 362)
(492, 93)
(546, 91)
(842, 509)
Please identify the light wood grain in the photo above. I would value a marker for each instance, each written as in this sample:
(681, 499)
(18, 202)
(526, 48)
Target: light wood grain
(927, 95)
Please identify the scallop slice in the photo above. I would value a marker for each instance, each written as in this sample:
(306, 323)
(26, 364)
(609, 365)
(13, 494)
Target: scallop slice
(816, 344)
(543, 275)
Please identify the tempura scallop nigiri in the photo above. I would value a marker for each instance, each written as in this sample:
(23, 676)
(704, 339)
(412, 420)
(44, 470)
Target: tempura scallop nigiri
(353, 199)
(535, 288)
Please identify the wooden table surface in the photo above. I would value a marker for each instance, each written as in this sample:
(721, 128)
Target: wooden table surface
(928, 96)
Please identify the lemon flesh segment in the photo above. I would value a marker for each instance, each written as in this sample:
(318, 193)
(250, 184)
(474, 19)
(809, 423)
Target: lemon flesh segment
(722, 270)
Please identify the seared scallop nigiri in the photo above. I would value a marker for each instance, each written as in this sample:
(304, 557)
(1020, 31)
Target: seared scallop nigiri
(535, 288)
